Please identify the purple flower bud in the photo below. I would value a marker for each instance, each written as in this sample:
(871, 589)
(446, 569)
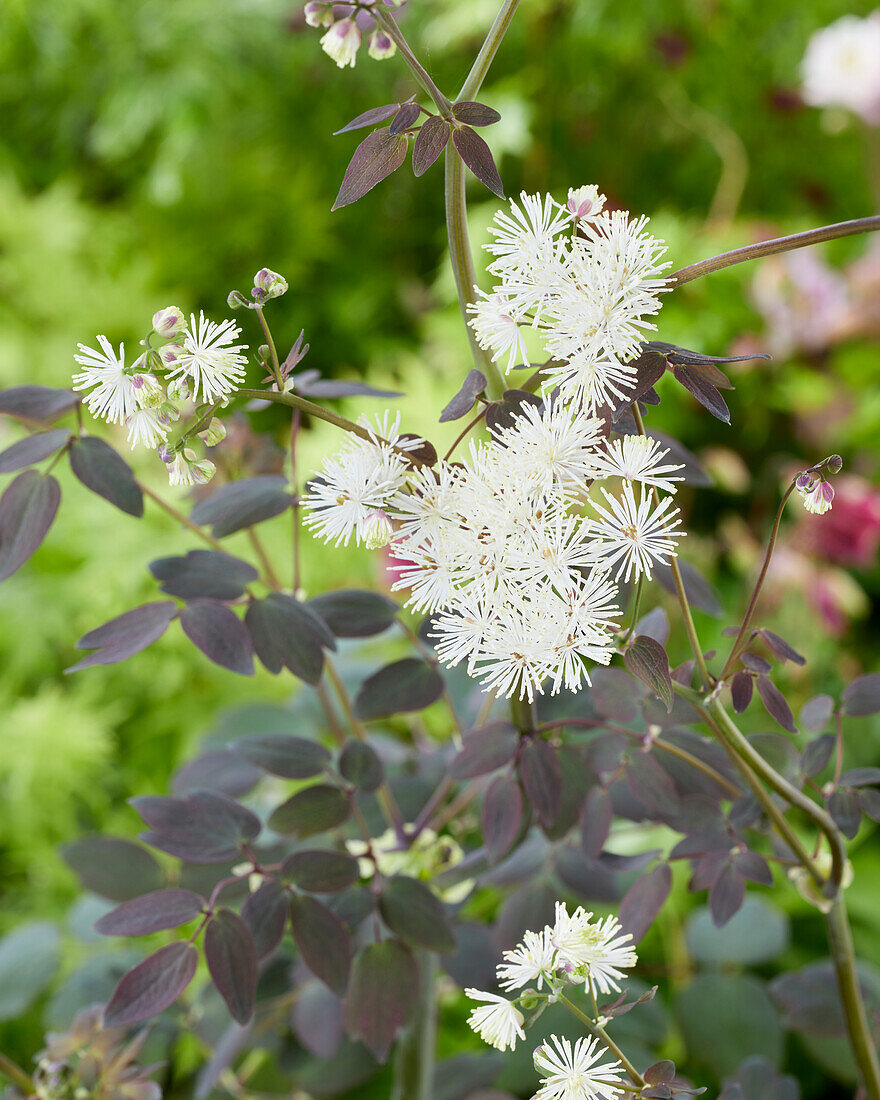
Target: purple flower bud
(381, 47)
(165, 453)
(169, 321)
(804, 481)
(318, 14)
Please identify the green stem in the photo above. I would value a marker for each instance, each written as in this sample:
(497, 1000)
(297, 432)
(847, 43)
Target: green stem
(770, 248)
(842, 952)
(771, 545)
(635, 611)
(16, 1074)
(294, 402)
(414, 1056)
(418, 71)
(486, 56)
(181, 518)
(462, 261)
(600, 1033)
(273, 351)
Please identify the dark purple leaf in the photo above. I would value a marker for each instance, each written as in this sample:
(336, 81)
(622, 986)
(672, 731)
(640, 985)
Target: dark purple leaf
(359, 763)
(474, 114)
(869, 800)
(102, 470)
(503, 414)
(320, 871)
(204, 574)
(377, 156)
(596, 823)
(125, 635)
(477, 155)
(577, 778)
(31, 449)
(413, 912)
(284, 755)
(501, 816)
(218, 632)
(531, 906)
(861, 777)
(114, 868)
(650, 784)
(816, 712)
(430, 142)
(650, 367)
(370, 118)
(754, 867)
(702, 389)
(780, 648)
(151, 912)
(382, 995)
(27, 509)
(660, 1072)
(541, 776)
(654, 625)
(485, 750)
(404, 118)
(202, 827)
(699, 592)
(860, 698)
(265, 913)
(410, 684)
(322, 940)
(219, 770)
(615, 694)
(287, 634)
(706, 841)
(462, 403)
(755, 663)
(741, 687)
(809, 1000)
(817, 754)
(311, 811)
(473, 961)
(774, 701)
(311, 384)
(758, 1079)
(676, 354)
(684, 673)
(37, 402)
(844, 807)
(644, 900)
(727, 894)
(352, 613)
(151, 986)
(242, 504)
(646, 659)
(232, 962)
(587, 877)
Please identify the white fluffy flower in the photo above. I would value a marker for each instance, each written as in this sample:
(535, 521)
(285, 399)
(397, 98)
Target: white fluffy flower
(341, 42)
(633, 534)
(533, 960)
(555, 444)
(575, 1072)
(841, 66)
(636, 458)
(525, 239)
(112, 395)
(497, 330)
(599, 950)
(357, 482)
(146, 428)
(210, 358)
(497, 1021)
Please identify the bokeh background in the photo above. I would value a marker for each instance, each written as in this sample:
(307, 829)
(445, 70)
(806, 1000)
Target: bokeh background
(160, 152)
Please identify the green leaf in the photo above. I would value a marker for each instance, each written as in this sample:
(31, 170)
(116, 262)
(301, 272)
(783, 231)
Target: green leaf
(413, 912)
(28, 961)
(724, 1019)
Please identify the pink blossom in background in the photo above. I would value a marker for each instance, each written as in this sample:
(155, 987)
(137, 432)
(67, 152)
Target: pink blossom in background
(849, 534)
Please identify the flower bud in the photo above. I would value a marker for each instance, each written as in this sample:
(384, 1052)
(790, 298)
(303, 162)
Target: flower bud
(169, 321)
(148, 390)
(268, 284)
(584, 202)
(380, 46)
(819, 498)
(341, 42)
(214, 433)
(168, 355)
(319, 14)
(529, 999)
(178, 389)
(184, 469)
(377, 530)
(833, 464)
(236, 300)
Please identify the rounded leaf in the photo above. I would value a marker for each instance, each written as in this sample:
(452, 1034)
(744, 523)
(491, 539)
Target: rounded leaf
(204, 574)
(242, 504)
(359, 763)
(541, 776)
(485, 750)
(354, 613)
(265, 913)
(643, 901)
(320, 871)
(862, 696)
(501, 816)
(284, 755)
(323, 941)
(37, 402)
(475, 114)
(410, 684)
(218, 632)
(232, 962)
(412, 911)
(311, 811)
(151, 986)
(382, 994)
(28, 961)
(647, 659)
(726, 1018)
(287, 634)
(756, 934)
(102, 470)
(32, 449)
(27, 509)
(114, 868)
(151, 912)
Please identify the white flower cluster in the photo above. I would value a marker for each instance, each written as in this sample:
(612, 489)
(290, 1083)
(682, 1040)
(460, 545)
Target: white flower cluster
(518, 564)
(575, 949)
(586, 279)
(196, 360)
(841, 67)
(343, 38)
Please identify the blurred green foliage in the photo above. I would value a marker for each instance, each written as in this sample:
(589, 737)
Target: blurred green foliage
(154, 152)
